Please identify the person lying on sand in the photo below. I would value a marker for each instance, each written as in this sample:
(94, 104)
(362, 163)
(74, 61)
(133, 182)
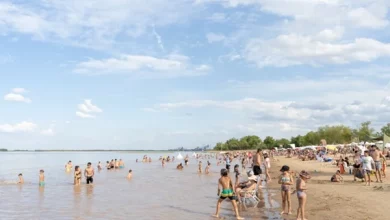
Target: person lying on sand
(337, 178)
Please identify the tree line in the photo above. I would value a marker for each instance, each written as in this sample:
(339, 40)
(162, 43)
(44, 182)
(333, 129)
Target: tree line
(339, 134)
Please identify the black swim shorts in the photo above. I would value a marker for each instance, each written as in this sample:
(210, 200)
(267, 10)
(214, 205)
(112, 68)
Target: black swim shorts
(228, 166)
(230, 197)
(257, 170)
(89, 180)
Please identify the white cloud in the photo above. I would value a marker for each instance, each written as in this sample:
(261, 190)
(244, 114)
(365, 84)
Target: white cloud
(172, 66)
(212, 37)
(16, 98)
(19, 90)
(292, 49)
(67, 122)
(48, 132)
(84, 115)
(159, 40)
(20, 127)
(88, 107)
(89, 25)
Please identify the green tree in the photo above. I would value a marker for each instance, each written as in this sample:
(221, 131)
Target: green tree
(269, 142)
(233, 144)
(364, 132)
(386, 129)
(283, 142)
(250, 142)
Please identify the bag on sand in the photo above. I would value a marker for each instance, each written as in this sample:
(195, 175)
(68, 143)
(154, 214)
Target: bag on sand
(359, 174)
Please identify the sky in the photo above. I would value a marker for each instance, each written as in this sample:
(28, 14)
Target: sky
(157, 74)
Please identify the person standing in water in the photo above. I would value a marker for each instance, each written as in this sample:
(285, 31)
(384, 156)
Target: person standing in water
(68, 166)
(257, 163)
(163, 162)
(200, 167)
(186, 160)
(41, 178)
(286, 181)
(121, 164)
(77, 175)
(227, 192)
(99, 166)
(301, 194)
(130, 174)
(21, 180)
(89, 173)
(207, 169)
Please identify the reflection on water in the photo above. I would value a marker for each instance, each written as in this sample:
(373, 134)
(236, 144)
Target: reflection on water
(152, 193)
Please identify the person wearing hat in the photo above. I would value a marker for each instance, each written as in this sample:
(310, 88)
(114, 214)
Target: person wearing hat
(248, 185)
(286, 181)
(301, 194)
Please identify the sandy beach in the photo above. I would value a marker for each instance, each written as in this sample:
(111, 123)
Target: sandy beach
(327, 200)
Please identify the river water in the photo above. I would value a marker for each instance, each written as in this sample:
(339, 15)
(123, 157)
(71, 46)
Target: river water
(153, 192)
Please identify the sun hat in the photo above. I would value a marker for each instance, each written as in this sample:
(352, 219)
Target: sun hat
(304, 174)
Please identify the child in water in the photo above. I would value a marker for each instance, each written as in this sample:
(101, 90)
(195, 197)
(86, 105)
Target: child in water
(200, 167)
(77, 175)
(21, 180)
(301, 194)
(207, 169)
(227, 192)
(130, 174)
(41, 178)
(180, 166)
(286, 181)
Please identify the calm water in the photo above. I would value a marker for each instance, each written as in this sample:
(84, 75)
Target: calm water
(153, 192)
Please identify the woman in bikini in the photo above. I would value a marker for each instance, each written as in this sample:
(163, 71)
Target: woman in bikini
(301, 194)
(77, 175)
(286, 181)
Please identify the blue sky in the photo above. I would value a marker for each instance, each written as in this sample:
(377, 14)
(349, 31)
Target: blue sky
(164, 74)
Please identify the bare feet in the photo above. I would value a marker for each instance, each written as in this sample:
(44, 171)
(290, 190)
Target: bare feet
(240, 218)
(282, 213)
(215, 216)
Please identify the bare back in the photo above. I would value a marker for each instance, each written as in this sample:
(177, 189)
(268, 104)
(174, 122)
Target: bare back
(226, 182)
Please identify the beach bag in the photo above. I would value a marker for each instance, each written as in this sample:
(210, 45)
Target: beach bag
(359, 174)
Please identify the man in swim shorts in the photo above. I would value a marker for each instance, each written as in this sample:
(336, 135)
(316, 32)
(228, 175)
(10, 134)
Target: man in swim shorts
(377, 156)
(89, 173)
(227, 192)
(257, 163)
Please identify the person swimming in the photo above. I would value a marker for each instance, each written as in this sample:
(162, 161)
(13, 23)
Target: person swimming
(180, 166)
(41, 178)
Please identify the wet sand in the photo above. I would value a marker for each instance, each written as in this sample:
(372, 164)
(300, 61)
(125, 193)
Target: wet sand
(345, 201)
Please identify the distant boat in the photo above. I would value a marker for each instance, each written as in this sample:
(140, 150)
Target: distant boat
(180, 157)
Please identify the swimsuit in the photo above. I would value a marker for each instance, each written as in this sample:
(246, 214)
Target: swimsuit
(285, 180)
(89, 179)
(378, 165)
(121, 167)
(227, 193)
(42, 183)
(300, 194)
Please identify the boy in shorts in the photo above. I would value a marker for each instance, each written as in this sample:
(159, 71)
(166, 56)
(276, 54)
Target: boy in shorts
(227, 192)
(366, 162)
